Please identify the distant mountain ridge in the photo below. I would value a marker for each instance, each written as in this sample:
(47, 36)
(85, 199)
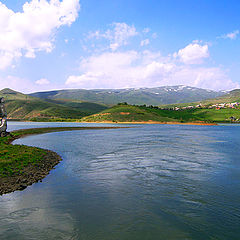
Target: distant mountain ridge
(232, 96)
(149, 96)
(25, 107)
(229, 97)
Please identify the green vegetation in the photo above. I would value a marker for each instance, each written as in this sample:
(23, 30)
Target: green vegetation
(21, 166)
(35, 109)
(231, 97)
(25, 107)
(130, 113)
(14, 158)
(54, 107)
(86, 107)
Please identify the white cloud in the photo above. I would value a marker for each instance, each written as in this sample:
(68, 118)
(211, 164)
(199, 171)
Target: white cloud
(193, 53)
(6, 58)
(117, 36)
(32, 30)
(145, 69)
(145, 42)
(203, 77)
(30, 53)
(43, 81)
(86, 80)
(232, 35)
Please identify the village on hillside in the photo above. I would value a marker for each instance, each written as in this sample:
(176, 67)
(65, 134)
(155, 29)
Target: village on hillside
(216, 106)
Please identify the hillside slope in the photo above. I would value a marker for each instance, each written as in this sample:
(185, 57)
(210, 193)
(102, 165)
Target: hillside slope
(22, 106)
(149, 96)
(130, 113)
(230, 97)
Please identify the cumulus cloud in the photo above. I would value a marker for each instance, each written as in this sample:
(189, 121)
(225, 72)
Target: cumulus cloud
(232, 35)
(117, 36)
(32, 30)
(213, 78)
(145, 69)
(42, 81)
(193, 53)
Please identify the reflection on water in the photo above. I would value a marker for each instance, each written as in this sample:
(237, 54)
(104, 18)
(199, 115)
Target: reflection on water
(146, 182)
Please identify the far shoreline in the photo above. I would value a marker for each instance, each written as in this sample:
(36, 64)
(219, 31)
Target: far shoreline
(156, 122)
(132, 122)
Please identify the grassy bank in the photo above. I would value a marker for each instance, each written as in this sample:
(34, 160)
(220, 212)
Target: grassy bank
(21, 165)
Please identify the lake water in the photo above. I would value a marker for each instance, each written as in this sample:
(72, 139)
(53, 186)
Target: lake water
(146, 182)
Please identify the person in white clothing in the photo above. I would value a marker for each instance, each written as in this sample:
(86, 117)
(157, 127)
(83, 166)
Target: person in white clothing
(3, 119)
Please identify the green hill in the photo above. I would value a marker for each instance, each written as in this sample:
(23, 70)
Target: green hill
(130, 113)
(10, 94)
(87, 107)
(126, 113)
(25, 107)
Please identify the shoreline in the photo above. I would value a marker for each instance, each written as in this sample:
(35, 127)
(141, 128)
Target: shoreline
(36, 171)
(156, 122)
(136, 122)
(30, 174)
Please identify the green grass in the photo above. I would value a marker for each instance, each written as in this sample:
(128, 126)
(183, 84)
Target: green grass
(217, 116)
(233, 96)
(87, 107)
(25, 107)
(21, 109)
(129, 113)
(126, 114)
(14, 158)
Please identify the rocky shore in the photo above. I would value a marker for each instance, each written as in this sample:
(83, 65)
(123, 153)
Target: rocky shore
(30, 174)
(34, 171)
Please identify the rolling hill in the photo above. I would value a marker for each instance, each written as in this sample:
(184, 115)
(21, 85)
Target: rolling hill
(149, 96)
(25, 107)
(129, 113)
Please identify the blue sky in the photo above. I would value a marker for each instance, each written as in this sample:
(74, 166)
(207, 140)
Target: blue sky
(46, 45)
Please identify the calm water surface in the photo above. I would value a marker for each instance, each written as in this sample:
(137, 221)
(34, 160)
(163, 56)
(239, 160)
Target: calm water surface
(148, 182)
